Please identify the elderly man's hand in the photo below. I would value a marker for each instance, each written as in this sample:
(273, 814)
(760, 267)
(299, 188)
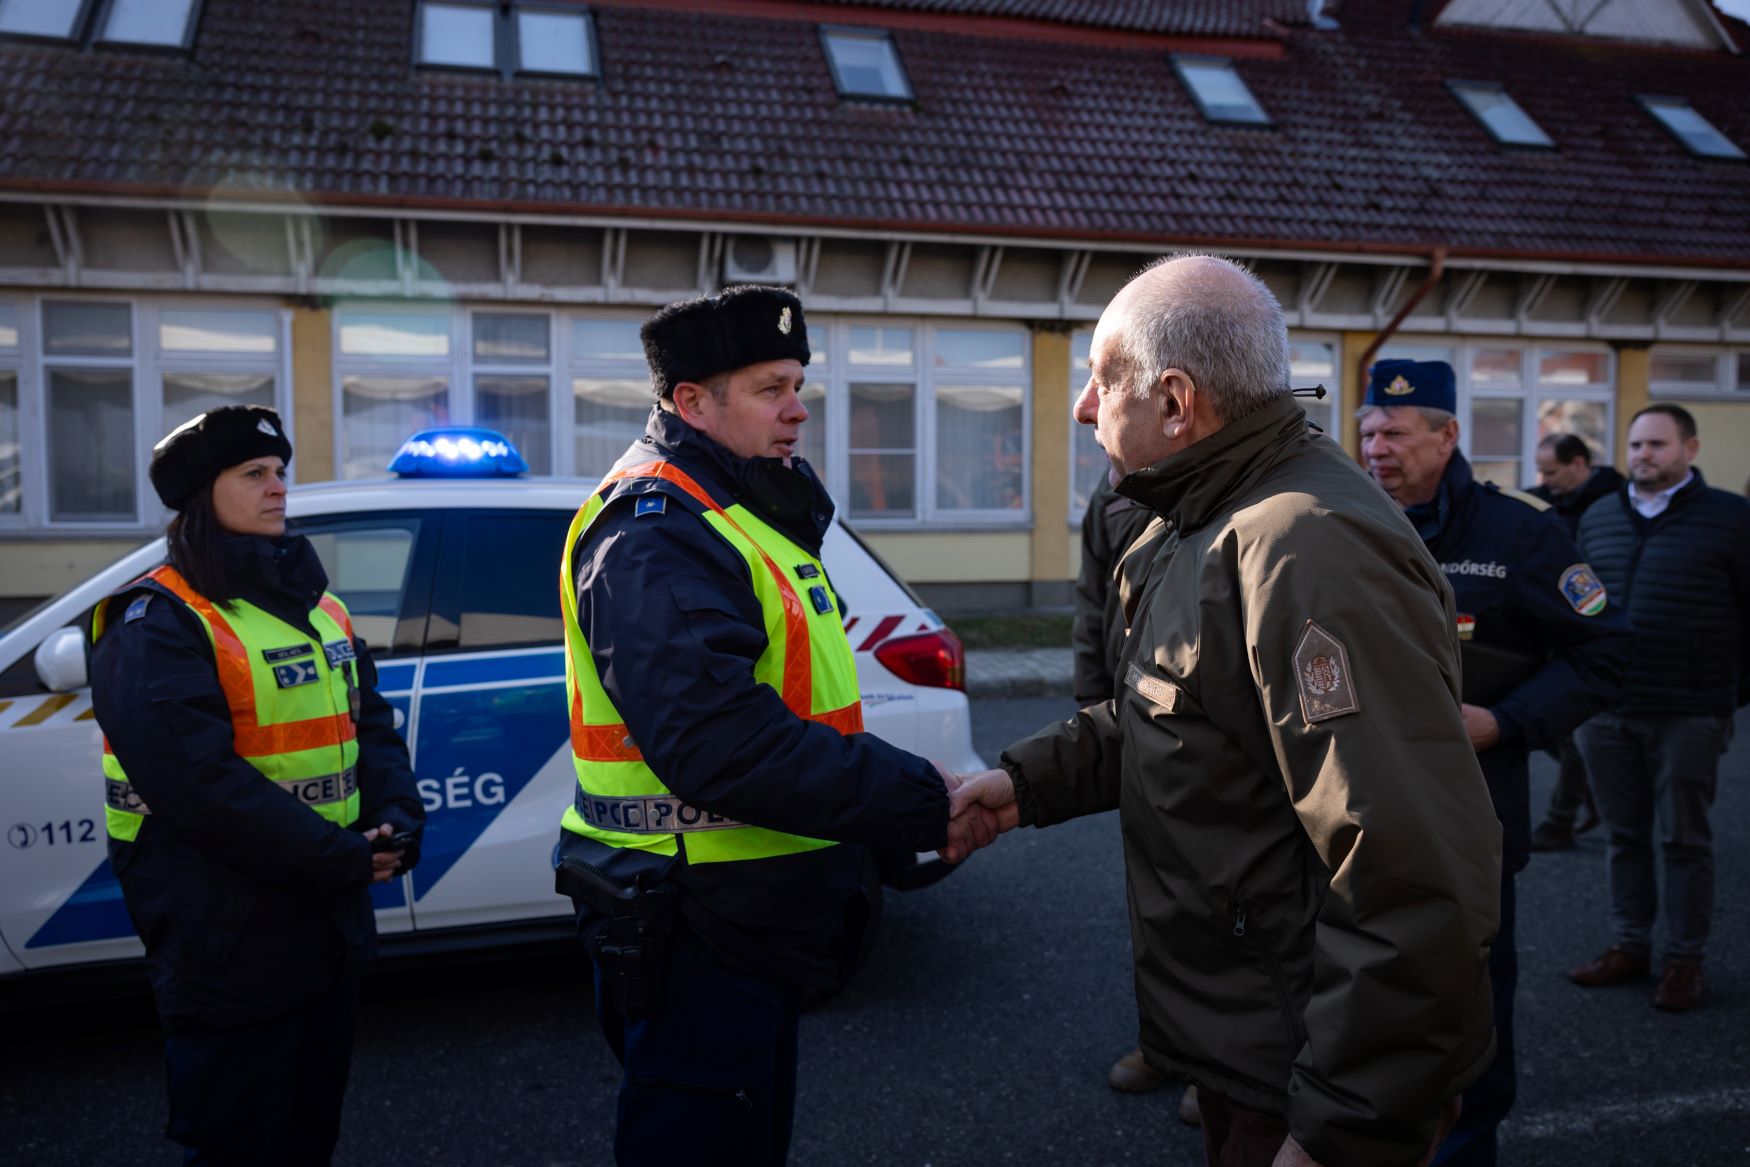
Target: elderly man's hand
(981, 806)
(1484, 730)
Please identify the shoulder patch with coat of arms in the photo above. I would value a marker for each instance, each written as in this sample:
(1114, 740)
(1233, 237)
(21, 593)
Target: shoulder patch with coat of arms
(1321, 670)
(1583, 590)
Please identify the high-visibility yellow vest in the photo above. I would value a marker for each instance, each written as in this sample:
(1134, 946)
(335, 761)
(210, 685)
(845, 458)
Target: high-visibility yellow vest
(293, 703)
(620, 801)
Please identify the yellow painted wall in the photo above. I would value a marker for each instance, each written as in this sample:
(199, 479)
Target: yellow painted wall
(48, 567)
(1724, 429)
(1050, 556)
(1632, 369)
(1349, 376)
(312, 395)
(955, 556)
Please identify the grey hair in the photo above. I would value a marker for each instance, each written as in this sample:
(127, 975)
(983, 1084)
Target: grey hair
(1435, 418)
(1232, 342)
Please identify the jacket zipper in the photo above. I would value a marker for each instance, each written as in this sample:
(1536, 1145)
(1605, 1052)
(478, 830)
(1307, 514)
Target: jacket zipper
(1296, 1034)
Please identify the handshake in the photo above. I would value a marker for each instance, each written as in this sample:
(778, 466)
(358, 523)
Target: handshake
(981, 806)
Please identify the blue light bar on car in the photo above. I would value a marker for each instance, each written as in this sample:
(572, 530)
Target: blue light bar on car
(458, 452)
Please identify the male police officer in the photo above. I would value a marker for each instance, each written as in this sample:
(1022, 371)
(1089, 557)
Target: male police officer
(1543, 649)
(716, 732)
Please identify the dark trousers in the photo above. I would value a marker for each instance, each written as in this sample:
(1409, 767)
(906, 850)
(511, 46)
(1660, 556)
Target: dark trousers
(1238, 1136)
(1571, 792)
(712, 1079)
(266, 1093)
(1472, 1140)
(1658, 774)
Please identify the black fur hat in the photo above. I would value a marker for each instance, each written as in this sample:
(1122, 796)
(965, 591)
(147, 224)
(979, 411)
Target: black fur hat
(740, 326)
(192, 454)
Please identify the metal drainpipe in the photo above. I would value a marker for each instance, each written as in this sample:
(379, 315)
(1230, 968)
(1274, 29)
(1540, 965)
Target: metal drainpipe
(1436, 268)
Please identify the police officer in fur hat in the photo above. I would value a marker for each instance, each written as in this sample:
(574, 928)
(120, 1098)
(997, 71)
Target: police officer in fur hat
(1542, 646)
(255, 788)
(715, 844)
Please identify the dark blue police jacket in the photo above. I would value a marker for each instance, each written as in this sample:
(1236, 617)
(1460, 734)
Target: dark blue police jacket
(673, 623)
(1515, 570)
(249, 904)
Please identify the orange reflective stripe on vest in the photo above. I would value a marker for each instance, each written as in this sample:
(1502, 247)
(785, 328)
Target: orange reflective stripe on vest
(798, 663)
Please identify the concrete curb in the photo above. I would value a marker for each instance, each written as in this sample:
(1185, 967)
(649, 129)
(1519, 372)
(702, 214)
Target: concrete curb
(1020, 672)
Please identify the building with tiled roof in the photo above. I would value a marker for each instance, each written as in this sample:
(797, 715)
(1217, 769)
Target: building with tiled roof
(387, 214)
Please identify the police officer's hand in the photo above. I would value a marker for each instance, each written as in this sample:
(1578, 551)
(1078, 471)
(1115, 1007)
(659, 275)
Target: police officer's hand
(1484, 730)
(385, 865)
(982, 806)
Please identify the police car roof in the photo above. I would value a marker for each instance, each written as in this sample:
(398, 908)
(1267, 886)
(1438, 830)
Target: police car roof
(426, 493)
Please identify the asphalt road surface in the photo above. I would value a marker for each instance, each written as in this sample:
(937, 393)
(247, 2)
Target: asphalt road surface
(979, 1034)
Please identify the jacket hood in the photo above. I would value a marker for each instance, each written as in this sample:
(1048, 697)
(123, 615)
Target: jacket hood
(1194, 485)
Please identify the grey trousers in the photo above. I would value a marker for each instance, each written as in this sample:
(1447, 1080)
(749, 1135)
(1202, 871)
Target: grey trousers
(1658, 772)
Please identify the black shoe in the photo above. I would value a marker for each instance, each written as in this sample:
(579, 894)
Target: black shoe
(1549, 837)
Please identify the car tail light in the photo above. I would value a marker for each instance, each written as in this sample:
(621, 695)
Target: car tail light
(934, 659)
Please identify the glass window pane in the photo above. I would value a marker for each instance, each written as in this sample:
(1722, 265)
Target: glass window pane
(866, 65)
(1495, 366)
(1743, 371)
(1573, 369)
(606, 340)
(1089, 467)
(11, 474)
(1501, 115)
(1687, 368)
(507, 593)
(77, 328)
(91, 444)
(500, 337)
(188, 395)
(393, 334)
(1502, 472)
(518, 408)
(459, 35)
(38, 17)
(1587, 420)
(881, 417)
(1081, 345)
(979, 455)
(881, 346)
(8, 326)
(181, 330)
(1495, 428)
(379, 413)
(882, 486)
(609, 416)
(367, 569)
(1219, 91)
(1312, 364)
(554, 42)
(811, 441)
(148, 22)
(979, 349)
(1693, 130)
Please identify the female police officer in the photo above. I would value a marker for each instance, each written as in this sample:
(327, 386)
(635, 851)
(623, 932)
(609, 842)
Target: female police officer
(245, 753)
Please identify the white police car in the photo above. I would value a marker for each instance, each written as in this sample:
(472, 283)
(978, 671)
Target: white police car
(452, 580)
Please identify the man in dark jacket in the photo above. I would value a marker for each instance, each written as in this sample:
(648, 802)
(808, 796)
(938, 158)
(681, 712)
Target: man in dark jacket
(1310, 854)
(1543, 649)
(724, 783)
(1676, 553)
(1567, 480)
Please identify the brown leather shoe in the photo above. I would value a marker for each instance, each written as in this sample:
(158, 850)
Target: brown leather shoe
(1616, 965)
(1680, 988)
(1131, 1075)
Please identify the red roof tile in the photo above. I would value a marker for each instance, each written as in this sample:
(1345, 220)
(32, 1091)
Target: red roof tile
(704, 116)
(1223, 18)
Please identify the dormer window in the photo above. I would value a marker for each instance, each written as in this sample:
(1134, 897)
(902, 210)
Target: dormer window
(55, 20)
(457, 35)
(164, 24)
(527, 39)
(865, 64)
(1490, 104)
(1694, 131)
(1218, 91)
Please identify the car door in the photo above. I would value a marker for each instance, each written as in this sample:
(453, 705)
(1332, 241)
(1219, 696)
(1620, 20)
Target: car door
(380, 565)
(490, 729)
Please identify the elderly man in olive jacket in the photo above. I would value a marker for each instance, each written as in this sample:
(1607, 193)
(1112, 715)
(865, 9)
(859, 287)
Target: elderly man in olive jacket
(1312, 858)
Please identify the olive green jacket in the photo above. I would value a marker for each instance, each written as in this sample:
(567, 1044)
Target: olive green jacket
(1312, 859)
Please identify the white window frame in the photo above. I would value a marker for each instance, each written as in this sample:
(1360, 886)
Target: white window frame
(147, 366)
(1333, 399)
(1529, 392)
(471, 367)
(925, 379)
(573, 365)
(452, 366)
(1078, 380)
(1725, 382)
